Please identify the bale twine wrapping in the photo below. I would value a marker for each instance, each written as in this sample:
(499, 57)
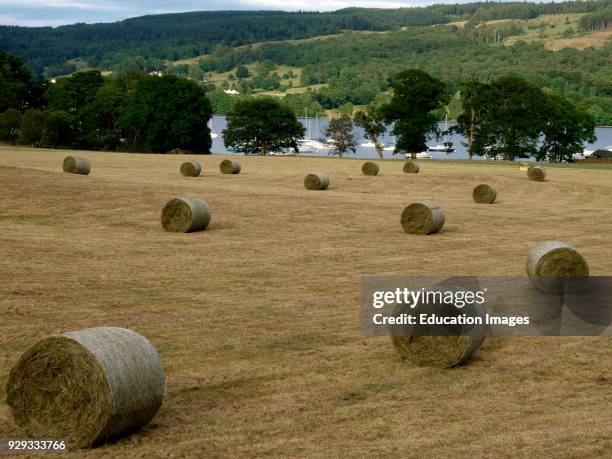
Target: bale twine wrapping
(369, 168)
(76, 165)
(440, 345)
(411, 167)
(316, 181)
(551, 265)
(484, 194)
(536, 173)
(424, 217)
(229, 166)
(86, 386)
(185, 215)
(437, 351)
(191, 169)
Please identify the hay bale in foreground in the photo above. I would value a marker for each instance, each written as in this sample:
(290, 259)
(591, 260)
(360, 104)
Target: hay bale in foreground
(191, 169)
(551, 265)
(369, 168)
(229, 166)
(185, 215)
(424, 217)
(411, 167)
(437, 351)
(536, 173)
(76, 165)
(316, 181)
(86, 386)
(484, 194)
(437, 344)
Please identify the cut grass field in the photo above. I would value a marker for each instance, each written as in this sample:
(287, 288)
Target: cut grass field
(257, 318)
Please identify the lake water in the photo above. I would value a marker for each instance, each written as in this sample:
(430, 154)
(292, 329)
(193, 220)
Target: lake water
(315, 129)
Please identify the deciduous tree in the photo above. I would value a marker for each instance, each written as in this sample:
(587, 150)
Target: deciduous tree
(259, 125)
(416, 95)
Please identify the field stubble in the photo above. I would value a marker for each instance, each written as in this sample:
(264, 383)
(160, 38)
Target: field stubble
(256, 318)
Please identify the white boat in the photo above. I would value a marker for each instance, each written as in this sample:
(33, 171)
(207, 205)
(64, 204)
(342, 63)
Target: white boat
(213, 131)
(421, 155)
(309, 144)
(313, 145)
(447, 145)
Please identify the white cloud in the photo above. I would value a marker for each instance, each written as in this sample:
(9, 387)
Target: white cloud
(64, 4)
(59, 12)
(328, 5)
(12, 20)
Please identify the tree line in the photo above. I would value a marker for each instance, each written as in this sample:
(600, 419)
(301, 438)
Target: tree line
(507, 117)
(600, 20)
(135, 112)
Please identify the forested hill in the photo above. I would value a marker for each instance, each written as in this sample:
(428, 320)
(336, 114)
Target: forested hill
(183, 35)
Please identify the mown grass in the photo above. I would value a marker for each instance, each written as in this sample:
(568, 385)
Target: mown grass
(257, 318)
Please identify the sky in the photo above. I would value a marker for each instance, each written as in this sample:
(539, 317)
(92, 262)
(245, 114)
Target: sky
(60, 12)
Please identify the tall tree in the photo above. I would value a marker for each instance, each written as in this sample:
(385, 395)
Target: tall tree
(476, 99)
(10, 123)
(566, 128)
(371, 121)
(416, 95)
(14, 82)
(514, 119)
(259, 125)
(33, 127)
(340, 133)
(73, 93)
(167, 112)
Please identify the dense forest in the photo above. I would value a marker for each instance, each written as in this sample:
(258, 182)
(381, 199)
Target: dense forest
(176, 36)
(600, 20)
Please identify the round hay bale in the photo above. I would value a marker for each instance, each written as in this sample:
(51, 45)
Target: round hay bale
(411, 167)
(484, 194)
(191, 169)
(86, 386)
(424, 217)
(185, 215)
(229, 166)
(556, 267)
(76, 165)
(316, 181)
(437, 351)
(536, 173)
(369, 168)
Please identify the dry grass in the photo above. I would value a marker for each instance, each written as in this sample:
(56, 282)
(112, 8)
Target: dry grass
(256, 319)
(555, 25)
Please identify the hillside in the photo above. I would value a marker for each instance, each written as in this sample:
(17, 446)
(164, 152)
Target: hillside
(184, 35)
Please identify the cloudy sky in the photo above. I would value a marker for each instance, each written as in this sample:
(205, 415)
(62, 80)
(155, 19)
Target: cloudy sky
(59, 12)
